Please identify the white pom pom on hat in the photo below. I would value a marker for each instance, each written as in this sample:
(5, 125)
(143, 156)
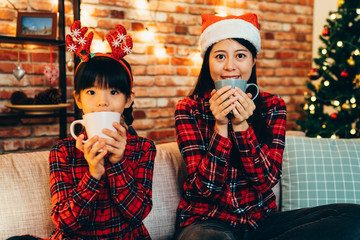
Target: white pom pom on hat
(216, 28)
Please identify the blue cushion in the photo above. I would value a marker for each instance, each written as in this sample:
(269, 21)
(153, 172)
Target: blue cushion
(320, 171)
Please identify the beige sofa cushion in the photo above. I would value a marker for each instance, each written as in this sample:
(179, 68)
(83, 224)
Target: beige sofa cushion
(26, 206)
(169, 176)
(24, 194)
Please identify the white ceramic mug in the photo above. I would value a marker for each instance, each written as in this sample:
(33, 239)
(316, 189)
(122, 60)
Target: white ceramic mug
(235, 82)
(95, 122)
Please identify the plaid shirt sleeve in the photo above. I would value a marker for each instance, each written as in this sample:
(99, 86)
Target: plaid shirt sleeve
(206, 162)
(131, 188)
(260, 162)
(71, 202)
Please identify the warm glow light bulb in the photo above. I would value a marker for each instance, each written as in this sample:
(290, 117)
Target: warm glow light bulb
(326, 83)
(353, 131)
(313, 98)
(324, 51)
(353, 100)
(141, 4)
(333, 136)
(221, 11)
(306, 106)
(99, 46)
(148, 35)
(340, 44)
(336, 103)
(357, 52)
(160, 51)
(196, 57)
(358, 11)
(312, 107)
(324, 68)
(54, 5)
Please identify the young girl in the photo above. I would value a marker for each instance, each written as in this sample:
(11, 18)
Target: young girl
(106, 194)
(233, 162)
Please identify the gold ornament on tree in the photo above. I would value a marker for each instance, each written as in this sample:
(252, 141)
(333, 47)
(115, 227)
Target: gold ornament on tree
(351, 61)
(340, 3)
(346, 105)
(356, 81)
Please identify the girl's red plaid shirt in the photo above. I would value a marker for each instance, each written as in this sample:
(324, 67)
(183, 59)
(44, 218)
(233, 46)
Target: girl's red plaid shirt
(110, 208)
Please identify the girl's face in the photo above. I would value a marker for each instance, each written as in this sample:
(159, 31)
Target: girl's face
(230, 59)
(96, 99)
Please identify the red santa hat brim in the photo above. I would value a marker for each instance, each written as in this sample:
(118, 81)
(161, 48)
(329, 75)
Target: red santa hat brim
(216, 28)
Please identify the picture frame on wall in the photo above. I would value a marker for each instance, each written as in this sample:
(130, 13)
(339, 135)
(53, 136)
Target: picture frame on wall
(36, 25)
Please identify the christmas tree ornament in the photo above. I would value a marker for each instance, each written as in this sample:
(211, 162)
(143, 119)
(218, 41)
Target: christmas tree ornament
(356, 81)
(335, 103)
(306, 106)
(353, 100)
(325, 32)
(70, 65)
(51, 72)
(333, 116)
(314, 74)
(340, 3)
(340, 44)
(330, 61)
(18, 72)
(351, 61)
(346, 105)
(344, 74)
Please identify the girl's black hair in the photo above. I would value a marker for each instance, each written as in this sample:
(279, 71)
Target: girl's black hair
(106, 72)
(205, 83)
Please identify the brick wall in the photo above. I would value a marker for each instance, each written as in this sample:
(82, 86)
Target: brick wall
(165, 67)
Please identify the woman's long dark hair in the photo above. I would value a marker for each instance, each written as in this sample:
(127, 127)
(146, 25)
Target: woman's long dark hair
(205, 83)
(106, 72)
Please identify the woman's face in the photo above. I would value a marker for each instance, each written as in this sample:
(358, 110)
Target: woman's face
(230, 59)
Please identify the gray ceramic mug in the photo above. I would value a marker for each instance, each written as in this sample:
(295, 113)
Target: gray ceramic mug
(234, 82)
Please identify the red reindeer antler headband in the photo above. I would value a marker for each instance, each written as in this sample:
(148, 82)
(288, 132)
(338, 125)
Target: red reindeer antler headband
(120, 43)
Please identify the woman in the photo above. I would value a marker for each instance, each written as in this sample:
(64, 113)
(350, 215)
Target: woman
(234, 160)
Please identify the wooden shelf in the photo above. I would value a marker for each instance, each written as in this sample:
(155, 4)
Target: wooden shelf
(61, 114)
(34, 41)
(17, 115)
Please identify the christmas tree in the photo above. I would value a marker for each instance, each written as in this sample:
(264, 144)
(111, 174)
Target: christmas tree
(332, 104)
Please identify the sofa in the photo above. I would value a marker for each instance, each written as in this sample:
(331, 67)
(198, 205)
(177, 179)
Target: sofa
(315, 172)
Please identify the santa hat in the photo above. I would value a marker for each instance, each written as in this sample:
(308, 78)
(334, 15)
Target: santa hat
(216, 28)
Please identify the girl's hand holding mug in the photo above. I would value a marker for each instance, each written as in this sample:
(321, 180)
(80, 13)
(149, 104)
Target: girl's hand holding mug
(116, 143)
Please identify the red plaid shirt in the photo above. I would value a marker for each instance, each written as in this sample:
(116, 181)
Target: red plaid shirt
(110, 208)
(215, 189)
